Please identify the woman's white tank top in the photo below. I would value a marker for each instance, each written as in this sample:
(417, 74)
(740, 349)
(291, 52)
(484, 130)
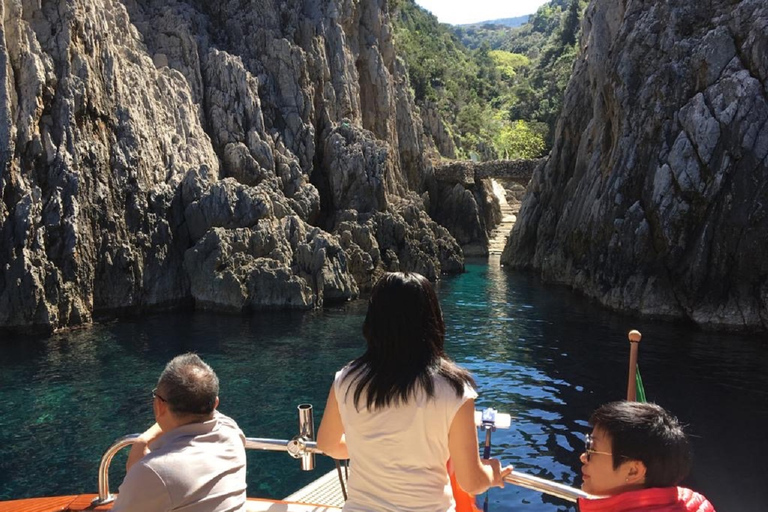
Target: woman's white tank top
(398, 454)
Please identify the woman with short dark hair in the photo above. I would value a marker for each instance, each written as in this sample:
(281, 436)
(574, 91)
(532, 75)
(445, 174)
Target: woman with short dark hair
(403, 408)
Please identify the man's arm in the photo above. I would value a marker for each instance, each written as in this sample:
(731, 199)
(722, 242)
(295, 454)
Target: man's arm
(141, 446)
(142, 490)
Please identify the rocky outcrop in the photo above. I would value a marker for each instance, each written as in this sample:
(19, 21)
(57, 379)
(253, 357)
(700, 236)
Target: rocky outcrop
(393, 241)
(653, 199)
(469, 212)
(156, 152)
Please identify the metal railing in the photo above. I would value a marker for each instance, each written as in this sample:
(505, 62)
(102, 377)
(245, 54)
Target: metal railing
(301, 447)
(304, 448)
(106, 460)
(296, 447)
(546, 486)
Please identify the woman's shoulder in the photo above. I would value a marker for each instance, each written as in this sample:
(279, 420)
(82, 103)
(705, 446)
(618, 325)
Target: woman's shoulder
(446, 387)
(345, 370)
(345, 377)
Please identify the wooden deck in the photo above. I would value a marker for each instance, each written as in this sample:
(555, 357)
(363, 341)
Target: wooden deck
(325, 490)
(54, 504)
(83, 502)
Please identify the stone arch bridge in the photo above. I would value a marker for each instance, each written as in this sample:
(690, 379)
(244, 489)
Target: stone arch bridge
(466, 171)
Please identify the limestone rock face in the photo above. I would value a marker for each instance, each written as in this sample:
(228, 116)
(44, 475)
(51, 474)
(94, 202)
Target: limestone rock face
(356, 166)
(157, 152)
(436, 130)
(404, 238)
(654, 197)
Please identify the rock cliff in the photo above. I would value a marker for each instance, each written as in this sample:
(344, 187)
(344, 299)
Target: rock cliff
(654, 197)
(233, 155)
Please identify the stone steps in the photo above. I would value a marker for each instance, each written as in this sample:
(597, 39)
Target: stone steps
(498, 238)
(501, 233)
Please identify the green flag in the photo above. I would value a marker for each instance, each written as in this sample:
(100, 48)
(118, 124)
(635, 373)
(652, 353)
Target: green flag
(639, 384)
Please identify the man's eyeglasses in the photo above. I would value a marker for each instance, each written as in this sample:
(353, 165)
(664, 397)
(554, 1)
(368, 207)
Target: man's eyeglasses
(155, 395)
(588, 450)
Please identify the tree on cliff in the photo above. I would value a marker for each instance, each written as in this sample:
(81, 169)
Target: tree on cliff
(471, 88)
(492, 81)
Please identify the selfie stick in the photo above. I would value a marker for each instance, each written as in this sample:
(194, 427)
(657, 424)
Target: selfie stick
(490, 420)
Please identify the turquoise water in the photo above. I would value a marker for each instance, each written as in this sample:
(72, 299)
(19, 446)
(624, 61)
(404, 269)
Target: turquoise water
(541, 353)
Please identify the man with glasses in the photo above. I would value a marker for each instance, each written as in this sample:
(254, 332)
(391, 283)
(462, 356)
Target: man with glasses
(636, 456)
(193, 457)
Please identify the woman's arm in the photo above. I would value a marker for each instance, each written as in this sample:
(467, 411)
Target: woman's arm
(330, 435)
(473, 474)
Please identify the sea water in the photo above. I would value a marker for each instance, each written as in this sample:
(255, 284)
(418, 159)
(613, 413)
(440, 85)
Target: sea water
(544, 354)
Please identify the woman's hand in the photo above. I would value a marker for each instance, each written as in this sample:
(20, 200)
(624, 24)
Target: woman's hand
(499, 473)
(473, 474)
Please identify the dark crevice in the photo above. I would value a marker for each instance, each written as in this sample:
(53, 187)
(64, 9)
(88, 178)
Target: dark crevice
(745, 62)
(319, 179)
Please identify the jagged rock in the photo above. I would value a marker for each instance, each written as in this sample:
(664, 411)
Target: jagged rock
(405, 238)
(227, 204)
(430, 249)
(653, 198)
(237, 270)
(323, 260)
(274, 264)
(93, 136)
(356, 165)
(412, 146)
(153, 150)
(363, 253)
(242, 166)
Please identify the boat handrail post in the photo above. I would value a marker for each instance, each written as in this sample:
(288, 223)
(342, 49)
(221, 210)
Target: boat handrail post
(307, 432)
(634, 341)
(106, 460)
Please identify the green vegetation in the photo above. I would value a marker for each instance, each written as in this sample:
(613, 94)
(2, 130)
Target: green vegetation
(498, 89)
(550, 40)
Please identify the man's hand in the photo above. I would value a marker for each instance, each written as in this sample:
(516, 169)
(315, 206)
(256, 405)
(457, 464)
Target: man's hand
(141, 446)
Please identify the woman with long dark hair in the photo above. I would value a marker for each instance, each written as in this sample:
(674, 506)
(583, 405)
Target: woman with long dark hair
(400, 410)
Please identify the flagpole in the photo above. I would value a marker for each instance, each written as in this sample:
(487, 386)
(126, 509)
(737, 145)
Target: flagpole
(634, 342)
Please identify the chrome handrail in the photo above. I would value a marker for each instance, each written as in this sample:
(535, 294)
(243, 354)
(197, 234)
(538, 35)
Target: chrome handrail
(106, 460)
(301, 446)
(546, 486)
(304, 447)
(297, 447)
(282, 445)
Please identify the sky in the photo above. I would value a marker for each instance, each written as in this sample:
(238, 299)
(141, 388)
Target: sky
(458, 12)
